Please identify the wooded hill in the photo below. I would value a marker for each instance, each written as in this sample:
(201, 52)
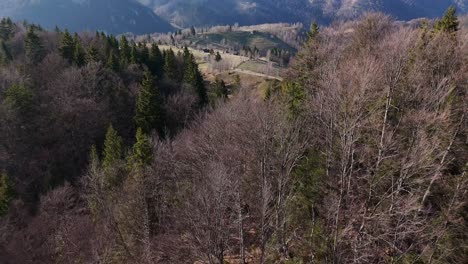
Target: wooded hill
(115, 153)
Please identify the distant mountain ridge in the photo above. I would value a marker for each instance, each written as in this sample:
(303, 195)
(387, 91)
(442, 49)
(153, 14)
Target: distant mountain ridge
(112, 16)
(214, 12)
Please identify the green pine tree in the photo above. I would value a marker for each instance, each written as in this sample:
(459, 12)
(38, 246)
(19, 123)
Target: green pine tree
(295, 96)
(149, 107)
(6, 29)
(20, 97)
(113, 62)
(220, 89)
(134, 54)
(6, 193)
(124, 51)
(5, 54)
(92, 54)
(170, 65)
(313, 32)
(218, 57)
(67, 46)
(156, 60)
(142, 153)
(193, 77)
(449, 22)
(113, 148)
(79, 56)
(34, 49)
(144, 55)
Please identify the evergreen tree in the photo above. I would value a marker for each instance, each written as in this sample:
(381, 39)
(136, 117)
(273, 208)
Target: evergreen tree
(92, 54)
(218, 57)
(220, 89)
(134, 54)
(449, 22)
(112, 148)
(67, 46)
(193, 77)
(34, 49)
(156, 60)
(20, 97)
(6, 193)
(124, 51)
(313, 32)
(142, 153)
(5, 54)
(144, 55)
(170, 65)
(6, 29)
(295, 96)
(79, 56)
(149, 107)
(113, 62)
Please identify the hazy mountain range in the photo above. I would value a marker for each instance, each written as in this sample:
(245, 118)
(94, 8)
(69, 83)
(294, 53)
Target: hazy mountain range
(117, 16)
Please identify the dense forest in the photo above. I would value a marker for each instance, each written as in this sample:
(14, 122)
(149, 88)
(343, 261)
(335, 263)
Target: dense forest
(113, 151)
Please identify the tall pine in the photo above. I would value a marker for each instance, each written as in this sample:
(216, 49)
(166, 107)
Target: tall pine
(156, 60)
(142, 152)
(124, 51)
(449, 22)
(6, 193)
(193, 77)
(79, 55)
(67, 46)
(170, 65)
(149, 107)
(113, 148)
(34, 49)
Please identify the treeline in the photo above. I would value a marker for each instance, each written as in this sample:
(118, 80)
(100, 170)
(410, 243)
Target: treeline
(359, 156)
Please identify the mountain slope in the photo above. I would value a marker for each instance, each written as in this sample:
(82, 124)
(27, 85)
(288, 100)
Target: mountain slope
(112, 16)
(211, 12)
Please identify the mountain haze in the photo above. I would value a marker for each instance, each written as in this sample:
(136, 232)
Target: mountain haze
(212, 12)
(112, 16)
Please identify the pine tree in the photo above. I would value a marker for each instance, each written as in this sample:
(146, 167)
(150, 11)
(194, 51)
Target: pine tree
(142, 153)
(449, 22)
(34, 49)
(67, 46)
(5, 54)
(193, 77)
(170, 65)
(144, 55)
(112, 148)
(220, 89)
(134, 54)
(124, 51)
(79, 56)
(295, 96)
(6, 193)
(313, 32)
(92, 54)
(156, 60)
(218, 57)
(21, 98)
(149, 107)
(113, 62)
(6, 29)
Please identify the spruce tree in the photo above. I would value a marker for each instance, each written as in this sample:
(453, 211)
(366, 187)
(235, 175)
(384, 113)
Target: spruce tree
(67, 46)
(124, 51)
(113, 62)
(5, 54)
(142, 152)
(6, 193)
(193, 77)
(6, 29)
(170, 65)
(144, 55)
(92, 54)
(34, 49)
(156, 60)
(149, 107)
(218, 57)
(313, 32)
(449, 22)
(113, 148)
(134, 54)
(79, 56)
(20, 97)
(220, 89)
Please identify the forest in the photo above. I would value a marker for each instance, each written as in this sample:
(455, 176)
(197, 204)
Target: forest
(116, 151)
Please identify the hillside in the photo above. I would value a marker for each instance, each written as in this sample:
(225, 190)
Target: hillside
(112, 16)
(214, 12)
